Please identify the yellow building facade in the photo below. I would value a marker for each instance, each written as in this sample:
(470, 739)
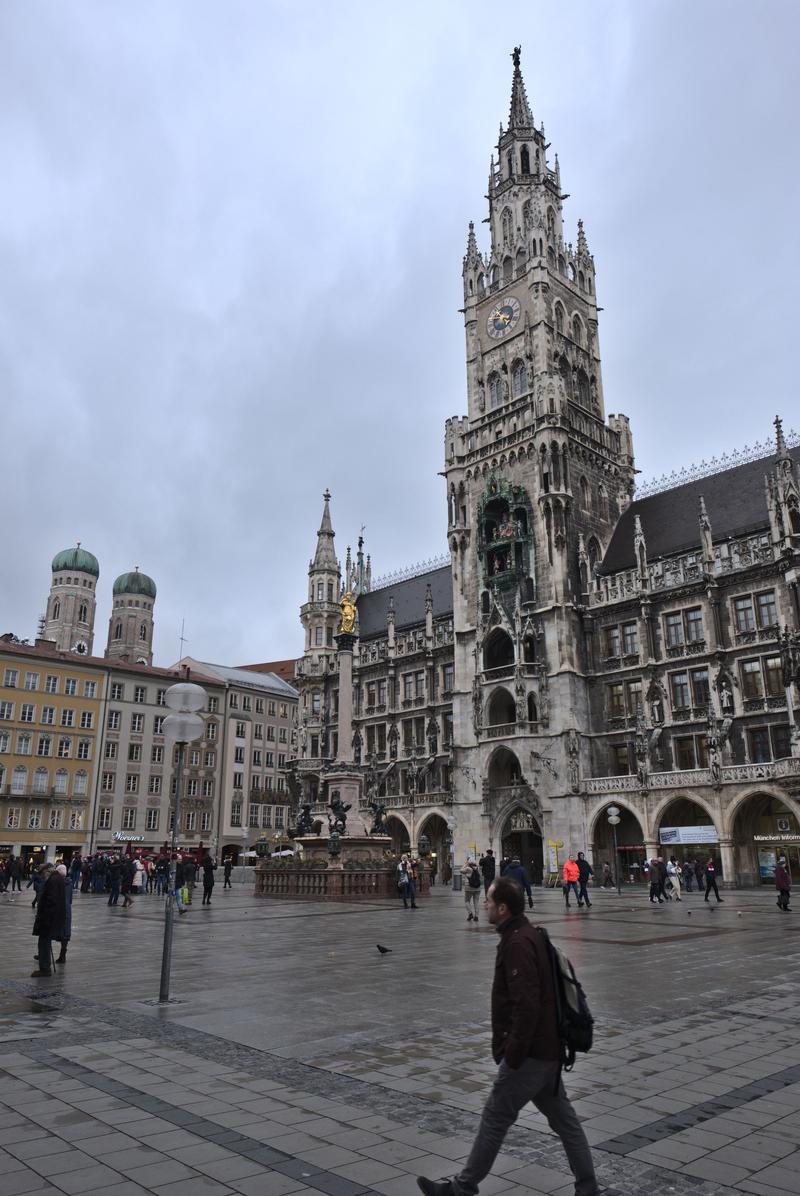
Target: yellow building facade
(50, 729)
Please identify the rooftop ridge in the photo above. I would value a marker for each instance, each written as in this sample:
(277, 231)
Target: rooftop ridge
(692, 473)
(390, 579)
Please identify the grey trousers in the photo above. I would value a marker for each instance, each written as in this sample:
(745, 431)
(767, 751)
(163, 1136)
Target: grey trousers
(511, 1091)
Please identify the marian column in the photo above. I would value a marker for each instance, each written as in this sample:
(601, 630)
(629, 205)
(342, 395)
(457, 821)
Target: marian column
(344, 776)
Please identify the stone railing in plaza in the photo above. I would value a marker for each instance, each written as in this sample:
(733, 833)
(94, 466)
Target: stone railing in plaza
(298, 883)
(690, 777)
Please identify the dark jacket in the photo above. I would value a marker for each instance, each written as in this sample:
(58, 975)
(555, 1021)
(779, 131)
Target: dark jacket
(66, 929)
(209, 868)
(782, 879)
(51, 910)
(515, 871)
(523, 1001)
(488, 867)
(585, 870)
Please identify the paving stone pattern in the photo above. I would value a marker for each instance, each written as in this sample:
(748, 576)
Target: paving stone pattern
(296, 1058)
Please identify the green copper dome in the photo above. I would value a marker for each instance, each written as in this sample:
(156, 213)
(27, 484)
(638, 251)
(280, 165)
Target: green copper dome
(135, 583)
(76, 559)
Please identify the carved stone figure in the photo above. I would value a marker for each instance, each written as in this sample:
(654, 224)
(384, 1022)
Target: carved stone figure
(305, 823)
(477, 704)
(379, 822)
(573, 761)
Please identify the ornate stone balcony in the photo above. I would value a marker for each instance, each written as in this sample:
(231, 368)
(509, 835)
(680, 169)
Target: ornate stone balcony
(692, 777)
(506, 730)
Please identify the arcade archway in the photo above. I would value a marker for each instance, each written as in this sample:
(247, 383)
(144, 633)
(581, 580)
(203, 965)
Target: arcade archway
(765, 829)
(504, 769)
(438, 834)
(631, 850)
(687, 830)
(521, 835)
(397, 829)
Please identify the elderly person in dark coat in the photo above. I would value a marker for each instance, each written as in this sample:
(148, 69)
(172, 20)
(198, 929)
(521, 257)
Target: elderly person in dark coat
(66, 929)
(783, 883)
(51, 912)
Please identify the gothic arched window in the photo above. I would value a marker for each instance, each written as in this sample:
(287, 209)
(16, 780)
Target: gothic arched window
(581, 280)
(83, 612)
(495, 390)
(56, 609)
(520, 262)
(562, 265)
(551, 221)
(583, 388)
(577, 331)
(118, 632)
(143, 632)
(508, 270)
(584, 488)
(519, 381)
(551, 257)
(507, 221)
(525, 160)
(559, 315)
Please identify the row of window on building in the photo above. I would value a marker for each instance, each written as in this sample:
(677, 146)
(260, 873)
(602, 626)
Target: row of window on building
(265, 816)
(751, 612)
(23, 781)
(760, 678)
(51, 683)
(69, 716)
(56, 819)
(150, 819)
(762, 744)
(46, 745)
(274, 709)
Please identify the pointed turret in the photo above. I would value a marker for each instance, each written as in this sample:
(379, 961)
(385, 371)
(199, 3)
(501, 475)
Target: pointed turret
(325, 556)
(582, 247)
(520, 116)
(471, 257)
(783, 452)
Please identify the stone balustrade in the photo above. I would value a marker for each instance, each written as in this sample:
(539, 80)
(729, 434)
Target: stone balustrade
(333, 884)
(691, 777)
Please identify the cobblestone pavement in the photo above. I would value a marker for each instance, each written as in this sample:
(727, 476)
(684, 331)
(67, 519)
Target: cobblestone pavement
(296, 1058)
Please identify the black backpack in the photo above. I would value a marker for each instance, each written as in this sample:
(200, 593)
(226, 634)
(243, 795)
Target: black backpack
(573, 1016)
(474, 881)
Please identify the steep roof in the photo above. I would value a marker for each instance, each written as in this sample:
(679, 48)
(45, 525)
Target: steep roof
(266, 682)
(734, 499)
(409, 602)
(281, 668)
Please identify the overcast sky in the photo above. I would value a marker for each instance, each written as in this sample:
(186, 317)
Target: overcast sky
(231, 236)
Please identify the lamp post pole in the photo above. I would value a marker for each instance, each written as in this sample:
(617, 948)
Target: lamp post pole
(182, 726)
(613, 818)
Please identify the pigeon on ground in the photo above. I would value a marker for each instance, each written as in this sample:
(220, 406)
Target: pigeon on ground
(384, 950)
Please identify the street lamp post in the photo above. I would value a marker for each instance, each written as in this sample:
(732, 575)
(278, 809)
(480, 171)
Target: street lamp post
(182, 726)
(613, 818)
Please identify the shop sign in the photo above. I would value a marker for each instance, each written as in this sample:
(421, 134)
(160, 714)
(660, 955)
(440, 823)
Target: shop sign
(122, 837)
(791, 838)
(688, 834)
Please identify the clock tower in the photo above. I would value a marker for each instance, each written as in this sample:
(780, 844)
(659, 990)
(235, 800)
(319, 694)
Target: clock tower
(536, 479)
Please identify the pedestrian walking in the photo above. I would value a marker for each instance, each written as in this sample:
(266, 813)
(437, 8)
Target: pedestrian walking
(527, 1048)
(181, 893)
(227, 868)
(608, 879)
(126, 883)
(405, 882)
(66, 930)
(585, 870)
(75, 871)
(50, 917)
(655, 882)
(516, 871)
(783, 883)
(571, 877)
(674, 877)
(209, 868)
(688, 876)
(488, 867)
(699, 875)
(472, 888)
(14, 872)
(711, 879)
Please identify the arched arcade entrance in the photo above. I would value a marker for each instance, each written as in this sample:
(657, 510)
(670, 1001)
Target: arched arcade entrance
(438, 834)
(686, 830)
(631, 850)
(765, 829)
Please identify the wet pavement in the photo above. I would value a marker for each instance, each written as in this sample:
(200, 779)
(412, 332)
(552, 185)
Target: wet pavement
(296, 1058)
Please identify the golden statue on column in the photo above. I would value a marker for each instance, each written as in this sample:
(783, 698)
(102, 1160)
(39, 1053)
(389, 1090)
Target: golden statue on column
(348, 608)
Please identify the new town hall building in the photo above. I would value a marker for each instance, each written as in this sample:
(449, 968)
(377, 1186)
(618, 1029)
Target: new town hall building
(585, 646)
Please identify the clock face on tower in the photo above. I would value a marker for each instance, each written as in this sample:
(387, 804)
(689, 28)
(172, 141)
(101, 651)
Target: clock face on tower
(81, 647)
(503, 317)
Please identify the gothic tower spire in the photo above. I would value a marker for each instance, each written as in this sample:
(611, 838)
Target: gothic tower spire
(325, 556)
(520, 115)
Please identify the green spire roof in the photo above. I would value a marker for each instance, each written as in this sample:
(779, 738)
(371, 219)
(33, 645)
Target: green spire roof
(76, 559)
(135, 583)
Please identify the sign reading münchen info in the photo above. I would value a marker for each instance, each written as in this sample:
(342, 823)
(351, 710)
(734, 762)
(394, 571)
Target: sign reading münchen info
(688, 834)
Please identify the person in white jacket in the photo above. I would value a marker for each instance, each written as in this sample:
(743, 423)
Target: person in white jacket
(674, 877)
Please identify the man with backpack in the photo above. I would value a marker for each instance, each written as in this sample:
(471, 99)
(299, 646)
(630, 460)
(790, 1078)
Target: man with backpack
(473, 883)
(527, 1044)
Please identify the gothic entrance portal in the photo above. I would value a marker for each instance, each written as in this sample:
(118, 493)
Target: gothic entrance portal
(399, 835)
(521, 835)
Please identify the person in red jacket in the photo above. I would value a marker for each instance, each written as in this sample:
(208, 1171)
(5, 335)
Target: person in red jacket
(571, 874)
(526, 1046)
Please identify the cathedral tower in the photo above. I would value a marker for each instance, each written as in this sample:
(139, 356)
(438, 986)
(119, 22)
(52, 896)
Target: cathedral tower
(130, 628)
(536, 478)
(69, 619)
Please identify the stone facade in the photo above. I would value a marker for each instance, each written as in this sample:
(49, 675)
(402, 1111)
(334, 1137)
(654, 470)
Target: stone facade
(587, 646)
